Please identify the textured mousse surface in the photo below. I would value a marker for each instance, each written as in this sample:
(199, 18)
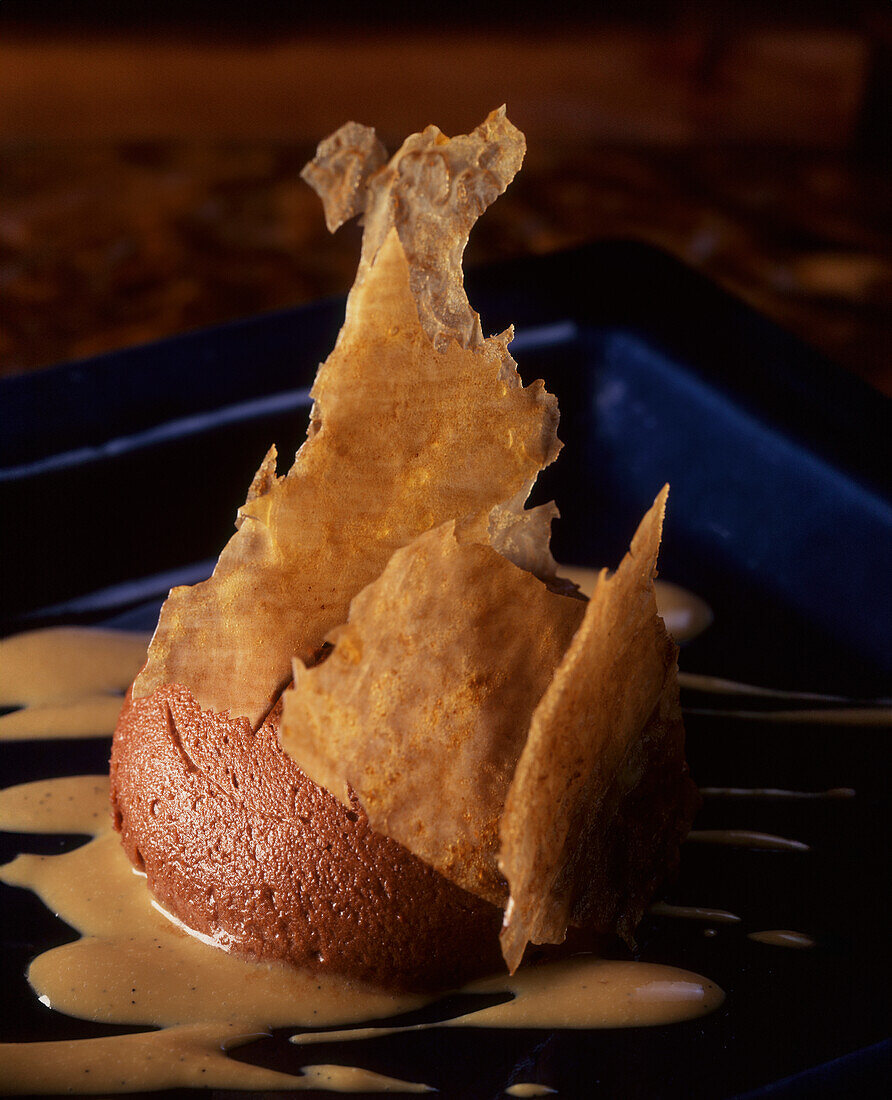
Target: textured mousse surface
(240, 845)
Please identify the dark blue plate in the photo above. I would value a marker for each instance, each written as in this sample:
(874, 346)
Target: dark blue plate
(779, 516)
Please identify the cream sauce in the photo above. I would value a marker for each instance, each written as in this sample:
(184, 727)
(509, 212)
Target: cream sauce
(746, 838)
(693, 912)
(175, 1057)
(775, 793)
(68, 681)
(782, 937)
(580, 992)
(715, 685)
(685, 614)
(133, 966)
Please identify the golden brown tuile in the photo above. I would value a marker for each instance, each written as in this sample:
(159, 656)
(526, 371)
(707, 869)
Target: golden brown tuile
(403, 434)
(403, 437)
(601, 796)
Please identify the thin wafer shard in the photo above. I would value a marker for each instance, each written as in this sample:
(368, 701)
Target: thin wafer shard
(601, 796)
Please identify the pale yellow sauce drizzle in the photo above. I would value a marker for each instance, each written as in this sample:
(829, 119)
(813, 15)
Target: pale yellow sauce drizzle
(68, 681)
(776, 793)
(192, 1056)
(746, 838)
(692, 912)
(716, 685)
(783, 937)
(685, 614)
(142, 956)
(72, 804)
(580, 992)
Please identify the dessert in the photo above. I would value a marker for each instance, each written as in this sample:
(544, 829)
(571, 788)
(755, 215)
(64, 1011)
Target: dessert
(470, 756)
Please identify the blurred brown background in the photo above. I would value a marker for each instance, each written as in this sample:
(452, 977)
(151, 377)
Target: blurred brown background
(150, 153)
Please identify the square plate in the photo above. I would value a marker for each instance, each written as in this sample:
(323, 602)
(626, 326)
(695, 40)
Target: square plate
(778, 517)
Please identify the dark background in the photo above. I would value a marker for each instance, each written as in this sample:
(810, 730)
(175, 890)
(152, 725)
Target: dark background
(151, 152)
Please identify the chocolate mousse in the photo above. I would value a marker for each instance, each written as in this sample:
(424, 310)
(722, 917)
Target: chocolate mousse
(241, 847)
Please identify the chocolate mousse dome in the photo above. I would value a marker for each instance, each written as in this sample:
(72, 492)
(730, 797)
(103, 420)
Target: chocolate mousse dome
(241, 847)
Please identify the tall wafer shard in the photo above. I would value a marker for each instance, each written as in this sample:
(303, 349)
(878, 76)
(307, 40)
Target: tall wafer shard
(601, 796)
(416, 420)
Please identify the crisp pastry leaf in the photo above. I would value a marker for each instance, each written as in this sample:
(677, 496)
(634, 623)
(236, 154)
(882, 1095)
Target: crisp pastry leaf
(601, 796)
